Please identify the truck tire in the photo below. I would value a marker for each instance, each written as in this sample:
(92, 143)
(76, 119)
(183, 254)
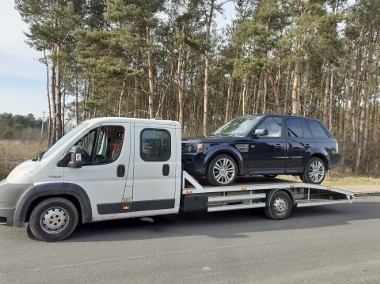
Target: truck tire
(314, 172)
(222, 170)
(53, 219)
(280, 206)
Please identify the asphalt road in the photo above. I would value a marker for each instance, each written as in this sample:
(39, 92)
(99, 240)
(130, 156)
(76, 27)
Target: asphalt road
(339, 244)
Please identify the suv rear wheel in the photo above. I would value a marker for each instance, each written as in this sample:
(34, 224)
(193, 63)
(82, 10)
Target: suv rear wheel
(314, 172)
(222, 170)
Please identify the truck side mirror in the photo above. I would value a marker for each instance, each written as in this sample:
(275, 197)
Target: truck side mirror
(76, 160)
(260, 132)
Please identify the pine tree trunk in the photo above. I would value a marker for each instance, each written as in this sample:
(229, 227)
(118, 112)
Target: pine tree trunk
(207, 58)
(326, 99)
(53, 104)
(58, 95)
(180, 82)
(229, 100)
(150, 74)
(296, 87)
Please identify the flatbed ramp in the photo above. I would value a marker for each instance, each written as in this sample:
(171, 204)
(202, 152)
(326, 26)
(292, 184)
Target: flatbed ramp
(256, 195)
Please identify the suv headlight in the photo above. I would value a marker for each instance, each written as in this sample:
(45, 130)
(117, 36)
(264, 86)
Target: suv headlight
(193, 148)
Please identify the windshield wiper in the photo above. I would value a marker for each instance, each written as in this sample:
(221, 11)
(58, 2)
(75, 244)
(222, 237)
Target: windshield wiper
(223, 134)
(39, 157)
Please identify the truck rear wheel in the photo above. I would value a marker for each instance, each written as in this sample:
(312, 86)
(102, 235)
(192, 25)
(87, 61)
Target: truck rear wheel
(53, 219)
(280, 206)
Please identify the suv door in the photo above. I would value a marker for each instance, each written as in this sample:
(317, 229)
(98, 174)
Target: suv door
(267, 152)
(300, 145)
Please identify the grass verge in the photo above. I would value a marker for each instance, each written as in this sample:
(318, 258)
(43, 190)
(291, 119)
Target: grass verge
(14, 152)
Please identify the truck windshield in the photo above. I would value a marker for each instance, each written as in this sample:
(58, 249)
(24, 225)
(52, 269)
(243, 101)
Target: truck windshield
(63, 140)
(240, 126)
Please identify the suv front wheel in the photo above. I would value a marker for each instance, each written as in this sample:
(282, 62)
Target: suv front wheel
(222, 170)
(314, 172)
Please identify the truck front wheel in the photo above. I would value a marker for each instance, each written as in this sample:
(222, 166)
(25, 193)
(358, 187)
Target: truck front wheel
(280, 206)
(53, 219)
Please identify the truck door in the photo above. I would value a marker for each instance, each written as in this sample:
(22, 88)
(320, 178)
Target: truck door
(154, 169)
(106, 152)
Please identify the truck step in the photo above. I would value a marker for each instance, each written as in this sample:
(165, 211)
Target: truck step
(236, 197)
(235, 207)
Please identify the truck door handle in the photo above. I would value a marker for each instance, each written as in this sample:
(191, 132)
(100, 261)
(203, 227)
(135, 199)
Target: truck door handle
(307, 145)
(120, 170)
(278, 145)
(165, 170)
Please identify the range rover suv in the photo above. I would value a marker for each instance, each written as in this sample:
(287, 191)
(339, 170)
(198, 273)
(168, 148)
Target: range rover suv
(266, 145)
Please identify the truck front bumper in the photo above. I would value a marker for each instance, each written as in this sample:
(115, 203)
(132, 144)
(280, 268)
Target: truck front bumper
(10, 194)
(6, 216)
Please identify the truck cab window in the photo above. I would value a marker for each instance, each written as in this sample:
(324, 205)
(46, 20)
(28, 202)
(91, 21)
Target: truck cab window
(155, 145)
(102, 145)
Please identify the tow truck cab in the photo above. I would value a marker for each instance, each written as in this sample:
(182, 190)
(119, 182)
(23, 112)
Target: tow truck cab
(107, 167)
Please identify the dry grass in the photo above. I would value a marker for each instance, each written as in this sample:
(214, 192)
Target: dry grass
(13, 152)
(341, 179)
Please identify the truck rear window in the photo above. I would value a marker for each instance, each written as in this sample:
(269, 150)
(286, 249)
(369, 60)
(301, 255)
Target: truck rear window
(155, 145)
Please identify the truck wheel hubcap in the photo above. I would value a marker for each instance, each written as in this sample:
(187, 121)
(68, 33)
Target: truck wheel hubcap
(54, 220)
(224, 170)
(280, 205)
(316, 171)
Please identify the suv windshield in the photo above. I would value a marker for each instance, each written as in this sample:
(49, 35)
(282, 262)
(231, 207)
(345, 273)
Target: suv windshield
(64, 139)
(240, 126)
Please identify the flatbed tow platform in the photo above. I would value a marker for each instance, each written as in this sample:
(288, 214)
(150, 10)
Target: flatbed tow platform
(272, 194)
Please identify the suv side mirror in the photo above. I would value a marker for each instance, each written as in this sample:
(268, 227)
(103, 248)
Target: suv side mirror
(76, 160)
(260, 132)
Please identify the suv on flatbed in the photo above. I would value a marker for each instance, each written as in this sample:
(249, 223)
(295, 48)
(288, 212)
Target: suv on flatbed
(263, 145)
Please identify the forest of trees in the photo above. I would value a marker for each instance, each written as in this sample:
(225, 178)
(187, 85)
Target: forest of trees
(22, 127)
(170, 59)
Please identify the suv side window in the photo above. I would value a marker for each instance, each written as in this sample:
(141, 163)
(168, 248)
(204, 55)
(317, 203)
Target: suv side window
(273, 124)
(306, 130)
(317, 129)
(295, 127)
(155, 145)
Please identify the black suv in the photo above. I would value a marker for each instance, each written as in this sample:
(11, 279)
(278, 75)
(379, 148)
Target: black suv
(263, 145)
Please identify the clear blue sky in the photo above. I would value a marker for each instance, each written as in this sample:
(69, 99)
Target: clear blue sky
(22, 77)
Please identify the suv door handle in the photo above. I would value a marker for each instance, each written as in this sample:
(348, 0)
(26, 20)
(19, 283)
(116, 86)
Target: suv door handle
(278, 145)
(165, 170)
(307, 145)
(120, 170)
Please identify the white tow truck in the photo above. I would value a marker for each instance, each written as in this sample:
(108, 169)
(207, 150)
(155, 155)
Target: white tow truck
(114, 168)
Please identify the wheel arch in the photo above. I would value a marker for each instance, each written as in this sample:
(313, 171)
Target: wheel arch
(71, 192)
(321, 156)
(288, 191)
(230, 151)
